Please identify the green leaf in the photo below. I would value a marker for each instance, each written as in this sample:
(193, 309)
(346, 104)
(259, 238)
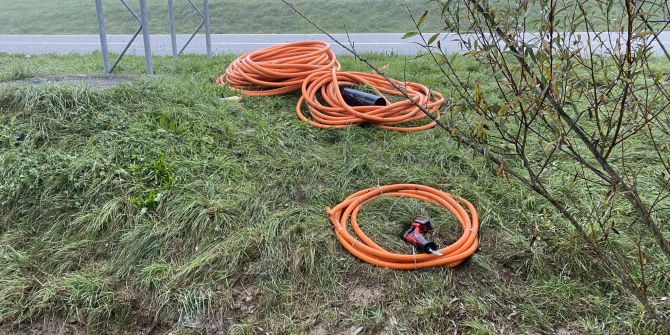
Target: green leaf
(409, 34)
(433, 38)
(644, 33)
(422, 18)
(531, 54)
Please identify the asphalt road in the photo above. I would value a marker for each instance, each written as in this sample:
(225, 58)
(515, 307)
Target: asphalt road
(391, 43)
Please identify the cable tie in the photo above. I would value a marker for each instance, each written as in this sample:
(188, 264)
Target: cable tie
(414, 254)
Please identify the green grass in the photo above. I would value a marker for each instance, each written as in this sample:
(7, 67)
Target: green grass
(273, 16)
(154, 200)
(227, 16)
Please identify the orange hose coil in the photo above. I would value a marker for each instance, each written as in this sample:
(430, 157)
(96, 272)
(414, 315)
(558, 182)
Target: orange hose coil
(369, 251)
(335, 113)
(278, 69)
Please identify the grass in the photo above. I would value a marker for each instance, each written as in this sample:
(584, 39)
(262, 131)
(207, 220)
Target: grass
(272, 16)
(155, 204)
(227, 16)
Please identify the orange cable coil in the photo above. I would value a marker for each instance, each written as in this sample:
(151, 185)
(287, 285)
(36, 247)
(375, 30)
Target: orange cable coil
(278, 69)
(334, 112)
(367, 250)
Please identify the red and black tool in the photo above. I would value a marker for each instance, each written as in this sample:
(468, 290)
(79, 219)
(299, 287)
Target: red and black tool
(414, 236)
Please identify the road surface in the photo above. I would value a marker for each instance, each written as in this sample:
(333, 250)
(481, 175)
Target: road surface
(391, 43)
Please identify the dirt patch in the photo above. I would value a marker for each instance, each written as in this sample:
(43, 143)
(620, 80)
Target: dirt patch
(58, 326)
(323, 330)
(570, 329)
(319, 330)
(94, 81)
(45, 326)
(245, 299)
(365, 295)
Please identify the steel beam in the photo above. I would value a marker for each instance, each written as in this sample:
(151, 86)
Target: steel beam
(173, 33)
(144, 28)
(204, 15)
(208, 29)
(145, 34)
(103, 36)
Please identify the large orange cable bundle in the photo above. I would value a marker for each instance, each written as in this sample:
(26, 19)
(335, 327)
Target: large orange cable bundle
(279, 69)
(367, 250)
(332, 110)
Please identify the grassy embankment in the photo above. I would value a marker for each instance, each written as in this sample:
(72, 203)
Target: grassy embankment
(154, 201)
(227, 16)
(262, 16)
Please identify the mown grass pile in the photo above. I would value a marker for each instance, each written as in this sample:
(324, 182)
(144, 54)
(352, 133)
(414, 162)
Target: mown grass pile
(154, 204)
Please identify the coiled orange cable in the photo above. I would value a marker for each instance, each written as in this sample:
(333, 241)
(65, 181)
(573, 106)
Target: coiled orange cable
(278, 69)
(334, 112)
(367, 250)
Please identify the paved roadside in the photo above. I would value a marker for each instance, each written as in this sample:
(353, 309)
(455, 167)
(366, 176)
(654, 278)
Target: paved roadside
(391, 43)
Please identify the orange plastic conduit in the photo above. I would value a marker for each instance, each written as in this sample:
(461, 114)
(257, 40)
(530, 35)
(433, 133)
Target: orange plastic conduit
(334, 112)
(367, 250)
(278, 69)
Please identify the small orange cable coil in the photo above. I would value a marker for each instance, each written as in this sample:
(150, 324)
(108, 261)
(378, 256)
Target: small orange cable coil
(367, 250)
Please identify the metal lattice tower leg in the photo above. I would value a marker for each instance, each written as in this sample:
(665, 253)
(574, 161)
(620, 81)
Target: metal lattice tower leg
(208, 29)
(145, 34)
(103, 36)
(173, 34)
(204, 14)
(143, 20)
